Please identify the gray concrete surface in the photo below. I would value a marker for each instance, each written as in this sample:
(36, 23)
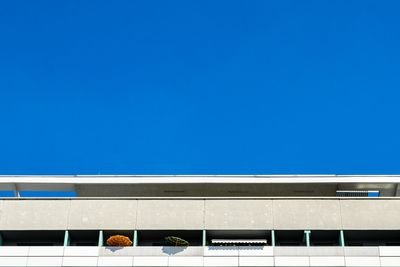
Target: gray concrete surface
(238, 214)
(228, 214)
(376, 214)
(170, 214)
(306, 214)
(34, 215)
(103, 214)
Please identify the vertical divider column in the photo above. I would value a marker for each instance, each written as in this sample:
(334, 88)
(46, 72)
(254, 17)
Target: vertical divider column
(341, 238)
(135, 238)
(101, 238)
(204, 238)
(273, 238)
(66, 238)
(307, 234)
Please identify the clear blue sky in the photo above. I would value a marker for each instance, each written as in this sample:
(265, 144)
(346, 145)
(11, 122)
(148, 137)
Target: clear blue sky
(199, 87)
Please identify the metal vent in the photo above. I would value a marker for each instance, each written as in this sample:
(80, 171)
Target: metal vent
(357, 193)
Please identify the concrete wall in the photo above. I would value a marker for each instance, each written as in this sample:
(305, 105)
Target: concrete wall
(20, 214)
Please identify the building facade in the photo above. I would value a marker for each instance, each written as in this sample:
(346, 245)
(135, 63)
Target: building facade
(227, 221)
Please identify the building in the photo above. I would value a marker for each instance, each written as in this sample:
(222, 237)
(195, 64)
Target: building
(312, 220)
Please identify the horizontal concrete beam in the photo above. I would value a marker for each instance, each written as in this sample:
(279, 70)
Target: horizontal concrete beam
(261, 214)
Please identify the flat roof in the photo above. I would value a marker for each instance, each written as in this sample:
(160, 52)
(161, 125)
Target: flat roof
(201, 185)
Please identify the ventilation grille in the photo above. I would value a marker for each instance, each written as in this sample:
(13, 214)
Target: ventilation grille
(357, 193)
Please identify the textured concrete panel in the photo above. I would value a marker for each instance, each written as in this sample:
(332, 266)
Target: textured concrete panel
(2, 213)
(306, 214)
(372, 214)
(103, 214)
(170, 214)
(238, 214)
(34, 215)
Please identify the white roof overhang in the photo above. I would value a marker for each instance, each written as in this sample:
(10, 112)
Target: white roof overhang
(197, 179)
(70, 183)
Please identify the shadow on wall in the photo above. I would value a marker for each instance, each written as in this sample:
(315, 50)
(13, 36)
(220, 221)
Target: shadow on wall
(172, 250)
(114, 249)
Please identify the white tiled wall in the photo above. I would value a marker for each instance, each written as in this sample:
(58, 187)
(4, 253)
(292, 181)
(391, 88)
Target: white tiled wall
(115, 261)
(292, 261)
(185, 261)
(207, 257)
(256, 261)
(150, 261)
(335, 261)
(390, 261)
(44, 261)
(221, 261)
(79, 261)
(13, 261)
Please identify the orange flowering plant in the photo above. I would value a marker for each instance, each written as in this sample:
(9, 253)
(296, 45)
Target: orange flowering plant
(119, 241)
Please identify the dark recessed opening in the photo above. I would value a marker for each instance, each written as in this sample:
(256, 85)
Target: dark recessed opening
(325, 237)
(157, 237)
(372, 237)
(84, 237)
(289, 238)
(33, 238)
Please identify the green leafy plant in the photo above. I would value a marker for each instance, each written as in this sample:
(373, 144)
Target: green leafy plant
(176, 241)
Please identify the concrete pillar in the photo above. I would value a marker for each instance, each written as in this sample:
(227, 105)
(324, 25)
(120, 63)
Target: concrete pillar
(135, 238)
(101, 238)
(273, 238)
(204, 238)
(16, 191)
(341, 238)
(66, 238)
(307, 234)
